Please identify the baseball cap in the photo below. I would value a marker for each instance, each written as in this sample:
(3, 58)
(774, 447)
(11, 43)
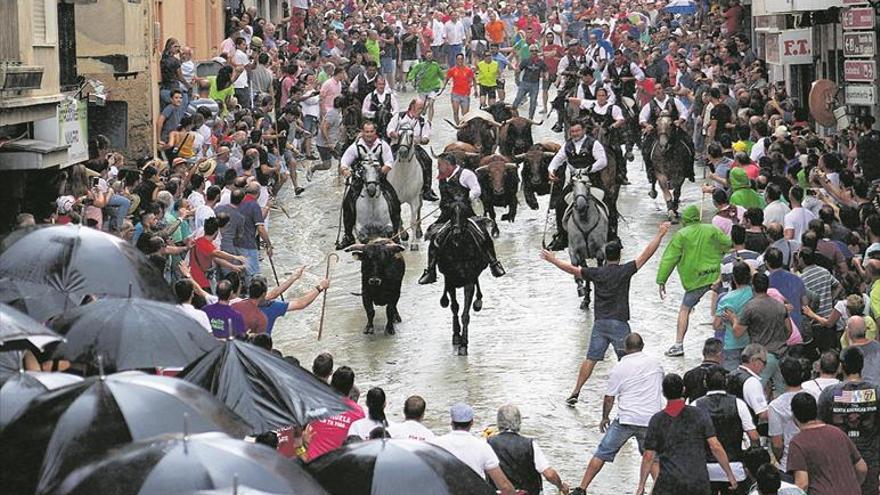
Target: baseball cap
(461, 413)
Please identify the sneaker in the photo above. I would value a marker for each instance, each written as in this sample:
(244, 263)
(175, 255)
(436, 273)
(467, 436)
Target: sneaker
(572, 399)
(298, 190)
(677, 350)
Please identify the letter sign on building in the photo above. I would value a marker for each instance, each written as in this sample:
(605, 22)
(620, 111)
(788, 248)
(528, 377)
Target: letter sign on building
(796, 46)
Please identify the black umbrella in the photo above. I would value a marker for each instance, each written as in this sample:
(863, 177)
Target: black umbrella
(64, 428)
(267, 391)
(19, 331)
(18, 390)
(378, 467)
(80, 261)
(10, 364)
(185, 464)
(38, 301)
(131, 334)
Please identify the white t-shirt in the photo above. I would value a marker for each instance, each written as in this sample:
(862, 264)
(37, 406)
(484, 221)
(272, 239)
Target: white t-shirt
(203, 213)
(241, 58)
(196, 314)
(753, 393)
(473, 451)
(775, 213)
(454, 33)
(196, 199)
(815, 386)
(438, 32)
(410, 429)
(311, 105)
(363, 427)
(781, 422)
(637, 382)
(798, 219)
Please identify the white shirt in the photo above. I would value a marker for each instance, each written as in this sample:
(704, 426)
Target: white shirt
(196, 314)
(775, 213)
(378, 148)
(593, 88)
(781, 423)
(225, 196)
(311, 105)
(411, 430)
(421, 127)
(598, 153)
(454, 31)
(616, 112)
(753, 392)
(758, 150)
(363, 427)
(203, 213)
(473, 451)
(815, 386)
(469, 180)
(636, 71)
(438, 30)
(241, 58)
(798, 219)
(596, 56)
(196, 199)
(637, 383)
(365, 108)
(645, 114)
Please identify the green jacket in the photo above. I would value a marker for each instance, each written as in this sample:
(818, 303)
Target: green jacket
(428, 76)
(697, 250)
(743, 194)
(373, 49)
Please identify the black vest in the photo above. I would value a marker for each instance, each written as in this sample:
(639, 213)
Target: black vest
(626, 88)
(656, 109)
(602, 120)
(583, 159)
(517, 458)
(736, 380)
(695, 379)
(375, 103)
(364, 87)
(588, 93)
(451, 191)
(728, 426)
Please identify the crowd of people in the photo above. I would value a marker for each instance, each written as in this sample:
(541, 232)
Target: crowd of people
(786, 398)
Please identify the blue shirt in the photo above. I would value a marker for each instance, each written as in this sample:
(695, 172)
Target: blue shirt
(273, 310)
(792, 288)
(734, 300)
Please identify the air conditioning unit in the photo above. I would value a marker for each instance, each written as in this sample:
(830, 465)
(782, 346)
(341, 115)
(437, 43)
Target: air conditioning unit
(20, 77)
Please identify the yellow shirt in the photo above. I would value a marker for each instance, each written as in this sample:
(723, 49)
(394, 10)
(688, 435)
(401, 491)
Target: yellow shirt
(487, 73)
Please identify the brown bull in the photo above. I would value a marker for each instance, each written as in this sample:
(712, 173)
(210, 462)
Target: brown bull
(465, 154)
(498, 183)
(535, 175)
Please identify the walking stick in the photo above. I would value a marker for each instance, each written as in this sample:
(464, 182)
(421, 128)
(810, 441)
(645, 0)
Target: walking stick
(547, 217)
(324, 300)
(275, 273)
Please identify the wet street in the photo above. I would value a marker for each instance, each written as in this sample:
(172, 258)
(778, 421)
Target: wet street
(525, 345)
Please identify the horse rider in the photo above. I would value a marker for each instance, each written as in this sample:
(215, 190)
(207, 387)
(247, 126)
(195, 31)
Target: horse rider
(651, 111)
(458, 185)
(365, 82)
(380, 105)
(367, 148)
(581, 152)
(623, 75)
(588, 86)
(569, 67)
(609, 116)
(414, 119)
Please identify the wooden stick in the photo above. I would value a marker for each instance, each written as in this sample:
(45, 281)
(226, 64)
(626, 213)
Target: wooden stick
(324, 300)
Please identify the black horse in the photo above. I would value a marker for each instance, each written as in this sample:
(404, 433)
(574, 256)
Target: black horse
(461, 261)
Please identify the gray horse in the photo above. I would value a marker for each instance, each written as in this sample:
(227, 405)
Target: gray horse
(586, 223)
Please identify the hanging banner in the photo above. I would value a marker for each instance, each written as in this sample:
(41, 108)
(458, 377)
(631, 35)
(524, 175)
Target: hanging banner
(69, 128)
(796, 46)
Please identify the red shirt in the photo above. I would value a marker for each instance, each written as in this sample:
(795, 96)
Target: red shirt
(254, 320)
(552, 54)
(461, 80)
(331, 432)
(201, 260)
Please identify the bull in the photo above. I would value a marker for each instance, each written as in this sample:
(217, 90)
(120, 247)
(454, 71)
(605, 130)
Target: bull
(465, 154)
(501, 111)
(382, 270)
(535, 175)
(498, 183)
(515, 136)
(478, 128)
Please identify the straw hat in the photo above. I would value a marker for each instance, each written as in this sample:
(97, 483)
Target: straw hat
(206, 168)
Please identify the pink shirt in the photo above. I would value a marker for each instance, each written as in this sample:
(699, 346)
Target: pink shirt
(331, 432)
(329, 91)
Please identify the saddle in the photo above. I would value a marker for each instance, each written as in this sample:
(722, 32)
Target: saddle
(476, 226)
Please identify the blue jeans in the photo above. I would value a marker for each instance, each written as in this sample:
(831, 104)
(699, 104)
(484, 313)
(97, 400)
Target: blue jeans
(616, 436)
(772, 373)
(731, 359)
(252, 262)
(451, 52)
(531, 89)
(605, 333)
(120, 205)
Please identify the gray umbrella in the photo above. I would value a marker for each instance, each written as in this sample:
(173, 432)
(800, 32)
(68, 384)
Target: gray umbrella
(19, 331)
(186, 464)
(18, 390)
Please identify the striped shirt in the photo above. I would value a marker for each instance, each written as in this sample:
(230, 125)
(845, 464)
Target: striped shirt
(749, 257)
(820, 284)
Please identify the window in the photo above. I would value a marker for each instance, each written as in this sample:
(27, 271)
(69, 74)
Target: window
(44, 22)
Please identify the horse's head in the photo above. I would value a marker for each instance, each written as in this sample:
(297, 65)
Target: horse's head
(406, 148)
(459, 214)
(371, 176)
(580, 191)
(664, 130)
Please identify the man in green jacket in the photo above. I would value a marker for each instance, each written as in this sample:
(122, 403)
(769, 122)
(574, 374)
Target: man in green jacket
(428, 77)
(742, 193)
(697, 250)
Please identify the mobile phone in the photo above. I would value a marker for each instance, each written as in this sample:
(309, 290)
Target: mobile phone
(94, 181)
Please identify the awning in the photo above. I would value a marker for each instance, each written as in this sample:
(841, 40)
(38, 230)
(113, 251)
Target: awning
(31, 154)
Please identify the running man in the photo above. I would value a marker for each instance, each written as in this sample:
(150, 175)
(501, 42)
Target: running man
(462, 81)
(428, 77)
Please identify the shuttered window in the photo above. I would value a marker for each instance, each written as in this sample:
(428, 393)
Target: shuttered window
(44, 22)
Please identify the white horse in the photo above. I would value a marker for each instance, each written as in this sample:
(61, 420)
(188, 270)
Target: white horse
(406, 178)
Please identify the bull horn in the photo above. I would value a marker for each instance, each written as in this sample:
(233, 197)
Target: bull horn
(355, 247)
(456, 126)
(538, 123)
(397, 247)
(520, 156)
(470, 153)
(511, 166)
(549, 153)
(433, 154)
(484, 167)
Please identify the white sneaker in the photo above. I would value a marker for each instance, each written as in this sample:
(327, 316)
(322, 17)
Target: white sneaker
(677, 350)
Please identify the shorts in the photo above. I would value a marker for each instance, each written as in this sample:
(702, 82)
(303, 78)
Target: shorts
(488, 91)
(460, 99)
(479, 47)
(310, 124)
(692, 297)
(500, 85)
(406, 65)
(616, 436)
(388, 65)
(431, 95)
(605, 333)
(326, 154)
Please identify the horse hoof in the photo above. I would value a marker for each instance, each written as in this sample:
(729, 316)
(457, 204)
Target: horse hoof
(444, 301)
(462, 350)
(585, 305)
(652, 194)
(505, 217)
(368, 330)
(397, 318)
(389, 330)
(456, 339)
(404, 236)
(495, 233)
(478, 304)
